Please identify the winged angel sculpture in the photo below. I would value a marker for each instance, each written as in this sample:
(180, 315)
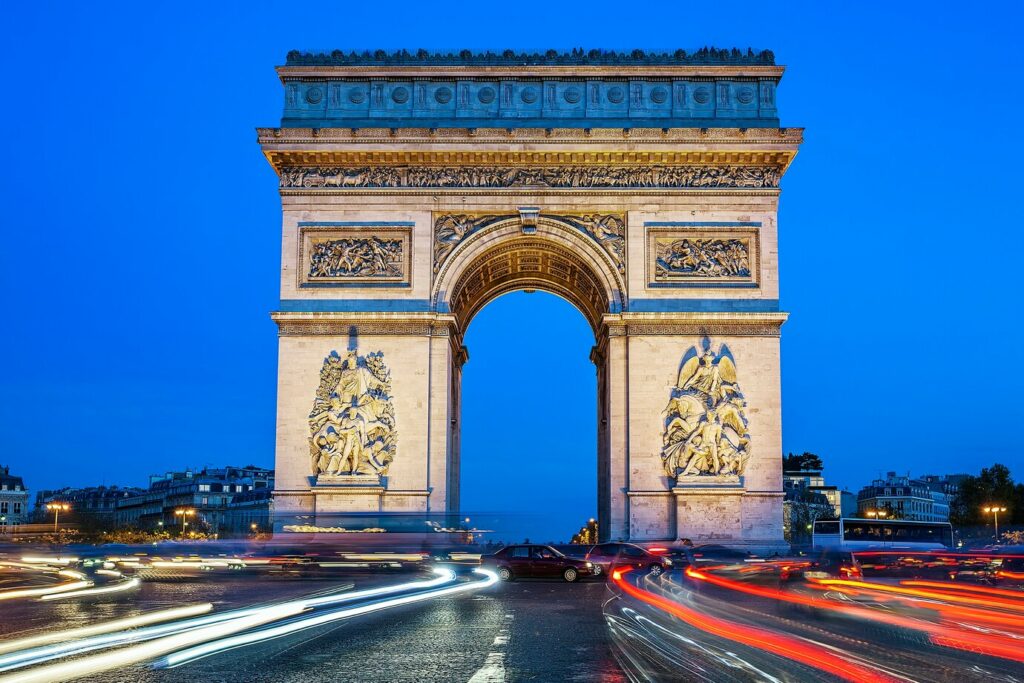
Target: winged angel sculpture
(352, 424)
(705, 425)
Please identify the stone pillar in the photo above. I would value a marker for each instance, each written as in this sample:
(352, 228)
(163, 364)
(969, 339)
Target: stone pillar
(618, 437)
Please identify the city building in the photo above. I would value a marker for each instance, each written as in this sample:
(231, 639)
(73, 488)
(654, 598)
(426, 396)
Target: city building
(13, 499)
(249, 513)
(200, 500)
(90, 506)
(901, 497)
(811, 481)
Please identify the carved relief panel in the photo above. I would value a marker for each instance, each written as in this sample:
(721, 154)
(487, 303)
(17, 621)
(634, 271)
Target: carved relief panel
(681, 255)
(355, 256)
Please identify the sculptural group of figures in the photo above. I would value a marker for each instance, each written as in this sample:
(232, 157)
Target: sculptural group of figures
(356, 257)
(703, 258)
(540, 176)
(352, 424)
(705, 424)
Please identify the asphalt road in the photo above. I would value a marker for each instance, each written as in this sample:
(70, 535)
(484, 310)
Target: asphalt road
(523, 631)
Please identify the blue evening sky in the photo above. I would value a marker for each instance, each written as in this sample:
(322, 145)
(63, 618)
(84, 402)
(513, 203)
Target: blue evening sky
(141, 238)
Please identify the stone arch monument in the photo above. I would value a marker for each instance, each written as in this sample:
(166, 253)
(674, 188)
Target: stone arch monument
(643, 188)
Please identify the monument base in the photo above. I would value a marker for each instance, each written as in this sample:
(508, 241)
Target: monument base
(710, 510)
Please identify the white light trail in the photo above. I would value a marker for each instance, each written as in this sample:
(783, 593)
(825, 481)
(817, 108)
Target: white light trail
(116, 588)
(105, 627)
(87, 666)
(36, 592)
(210, 648)
(37, 559)
(36, 656)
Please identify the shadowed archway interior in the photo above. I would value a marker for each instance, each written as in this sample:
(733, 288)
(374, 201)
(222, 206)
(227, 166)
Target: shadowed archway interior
(524, 264)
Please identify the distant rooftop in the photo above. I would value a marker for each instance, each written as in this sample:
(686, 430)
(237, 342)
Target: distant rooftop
(705, 56)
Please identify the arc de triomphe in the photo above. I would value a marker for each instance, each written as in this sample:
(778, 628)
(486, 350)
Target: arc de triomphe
(643, 188)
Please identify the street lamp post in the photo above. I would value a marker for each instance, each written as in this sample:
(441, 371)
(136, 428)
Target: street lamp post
(994, 510)
(183, 513)
(57, 507)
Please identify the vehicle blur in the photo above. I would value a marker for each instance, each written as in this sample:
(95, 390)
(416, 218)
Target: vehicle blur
(828, 564)
(536, 562)
(607, 557)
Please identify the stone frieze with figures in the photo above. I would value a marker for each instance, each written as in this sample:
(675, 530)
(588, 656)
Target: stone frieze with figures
(554, 177)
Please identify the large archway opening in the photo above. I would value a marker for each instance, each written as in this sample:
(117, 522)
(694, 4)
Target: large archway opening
(530, 442)
(529, 432)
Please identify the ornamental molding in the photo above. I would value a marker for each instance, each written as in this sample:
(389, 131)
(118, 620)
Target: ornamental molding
(341, 324)
(552, 177)
(705, 56)
(694, 324)
(739, 136)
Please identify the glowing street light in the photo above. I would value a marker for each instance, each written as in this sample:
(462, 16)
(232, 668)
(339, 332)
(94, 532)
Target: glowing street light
(57, 507)
(994, 510)
(877, 514)
(183, 513)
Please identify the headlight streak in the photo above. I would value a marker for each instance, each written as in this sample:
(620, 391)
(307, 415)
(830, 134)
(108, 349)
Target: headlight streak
(38, 592)
(134, 582)
(791, 648)
(105, 627)
(135, 654)
(211, 648)
(36, 656)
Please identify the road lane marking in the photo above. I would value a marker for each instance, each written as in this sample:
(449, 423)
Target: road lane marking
(493, 669)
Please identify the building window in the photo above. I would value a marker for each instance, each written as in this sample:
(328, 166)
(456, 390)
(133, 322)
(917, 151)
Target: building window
(17, 508)
(206, 501)
(3, 507)
(204, 487)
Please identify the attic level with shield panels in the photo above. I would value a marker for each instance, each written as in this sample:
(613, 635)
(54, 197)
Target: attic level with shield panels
(709, 87)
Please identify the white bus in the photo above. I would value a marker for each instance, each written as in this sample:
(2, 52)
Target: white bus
(863, 534)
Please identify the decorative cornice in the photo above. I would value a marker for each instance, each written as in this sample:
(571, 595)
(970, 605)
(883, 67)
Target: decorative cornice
(694, 324)
(576, 57)
(694, 135)
(377, 324)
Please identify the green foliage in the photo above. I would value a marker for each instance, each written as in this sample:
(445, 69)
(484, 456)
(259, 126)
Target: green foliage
(804, 461)
(993, 486)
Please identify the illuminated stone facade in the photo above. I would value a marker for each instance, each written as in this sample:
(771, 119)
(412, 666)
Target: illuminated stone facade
(641, 188)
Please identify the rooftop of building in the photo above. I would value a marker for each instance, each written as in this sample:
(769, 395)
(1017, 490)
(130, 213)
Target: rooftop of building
(705, 56)
(586, 89)
(11, 481)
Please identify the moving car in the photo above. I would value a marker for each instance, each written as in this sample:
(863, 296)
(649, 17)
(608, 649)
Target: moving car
(608, 557)
(535, 561)
(830, 564)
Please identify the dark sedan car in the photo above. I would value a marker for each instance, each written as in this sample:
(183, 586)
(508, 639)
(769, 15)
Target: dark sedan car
(610, 556)
(535, 561)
